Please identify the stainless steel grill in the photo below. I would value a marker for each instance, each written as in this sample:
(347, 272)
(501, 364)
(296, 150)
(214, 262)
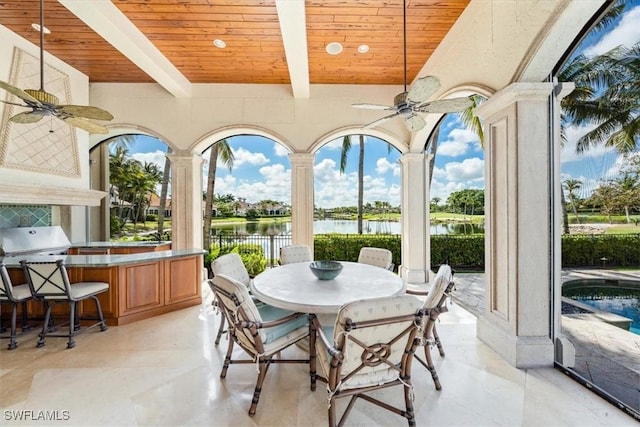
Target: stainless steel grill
(33, 241)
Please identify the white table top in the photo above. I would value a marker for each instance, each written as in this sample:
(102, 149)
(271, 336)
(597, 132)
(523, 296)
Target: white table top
(294, 287)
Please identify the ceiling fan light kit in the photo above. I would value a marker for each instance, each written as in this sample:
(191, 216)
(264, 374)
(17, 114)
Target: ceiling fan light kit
(44, 104)
(409, 103)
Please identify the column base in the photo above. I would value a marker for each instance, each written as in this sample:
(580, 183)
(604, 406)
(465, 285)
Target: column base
(521, 352)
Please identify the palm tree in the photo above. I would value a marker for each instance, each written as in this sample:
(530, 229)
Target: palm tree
(572, 185)
(606, 95)
(346, 146)
(220, 150)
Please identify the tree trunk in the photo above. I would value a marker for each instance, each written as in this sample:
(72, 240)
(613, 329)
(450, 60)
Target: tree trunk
(565, 214)
(434, 151)
(163, 194)
(360, 183)
(208, 206)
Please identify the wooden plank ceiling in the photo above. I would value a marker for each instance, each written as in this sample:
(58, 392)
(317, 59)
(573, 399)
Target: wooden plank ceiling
(184, 30)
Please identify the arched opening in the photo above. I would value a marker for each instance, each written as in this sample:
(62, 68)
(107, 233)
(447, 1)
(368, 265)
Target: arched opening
(135, 172)
(246, 199)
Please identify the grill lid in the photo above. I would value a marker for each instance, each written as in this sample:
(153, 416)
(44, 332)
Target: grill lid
(22, 240)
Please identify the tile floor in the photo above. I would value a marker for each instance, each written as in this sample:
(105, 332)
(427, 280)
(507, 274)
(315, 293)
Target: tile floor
(165, 372)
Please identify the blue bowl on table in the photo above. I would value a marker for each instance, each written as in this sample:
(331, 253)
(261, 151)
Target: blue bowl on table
(326, 270)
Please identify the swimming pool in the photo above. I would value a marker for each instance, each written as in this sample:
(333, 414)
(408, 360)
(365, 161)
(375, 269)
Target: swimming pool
(619, 296)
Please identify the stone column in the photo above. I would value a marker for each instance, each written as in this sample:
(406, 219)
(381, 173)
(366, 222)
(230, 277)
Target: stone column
(518, 234)
(416, 262)
(302, 198)
(186, 200)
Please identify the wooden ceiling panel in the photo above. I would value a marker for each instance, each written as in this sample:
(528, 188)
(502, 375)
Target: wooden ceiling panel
(184, 30)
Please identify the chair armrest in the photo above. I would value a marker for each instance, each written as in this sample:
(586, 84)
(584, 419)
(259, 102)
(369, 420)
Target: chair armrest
(417, 292)
(333, 352)
(271, 323)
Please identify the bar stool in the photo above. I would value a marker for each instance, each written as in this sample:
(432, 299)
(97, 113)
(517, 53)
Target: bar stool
(14, 295)
(49, 281)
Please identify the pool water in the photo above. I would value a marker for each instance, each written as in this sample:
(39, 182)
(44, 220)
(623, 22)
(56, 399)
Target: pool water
(621, 297)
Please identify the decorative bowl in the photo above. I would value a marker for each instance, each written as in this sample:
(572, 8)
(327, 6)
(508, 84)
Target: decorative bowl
(325, 270)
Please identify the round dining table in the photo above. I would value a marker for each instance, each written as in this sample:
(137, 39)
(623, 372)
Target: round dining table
(294, 287)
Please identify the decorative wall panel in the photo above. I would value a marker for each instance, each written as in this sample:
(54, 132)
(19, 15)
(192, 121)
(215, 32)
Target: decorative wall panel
(48, 146)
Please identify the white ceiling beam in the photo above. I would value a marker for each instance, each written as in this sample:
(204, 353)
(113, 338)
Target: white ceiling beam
(293, 26)
(107, 20)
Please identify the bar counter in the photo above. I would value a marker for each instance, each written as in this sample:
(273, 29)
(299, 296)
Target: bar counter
(141, 285)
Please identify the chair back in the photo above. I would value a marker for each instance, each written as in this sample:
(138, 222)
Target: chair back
(379, 257)
(240, 311)
(6, 286)
(376, 339)
(48, 280)
(231, 265)
(295, 253)
(439, 287)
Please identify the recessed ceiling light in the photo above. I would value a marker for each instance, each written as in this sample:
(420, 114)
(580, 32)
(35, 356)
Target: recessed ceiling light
(363, 48)
(219, 43)
(334, 48)
(37, 28)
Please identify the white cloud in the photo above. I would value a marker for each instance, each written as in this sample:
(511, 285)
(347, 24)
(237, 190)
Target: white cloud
(280, 150)
(333, 189)
(243, 156)
(383, 166)
(626, 33)
(458, 143)
(156, 157)
(471, 169)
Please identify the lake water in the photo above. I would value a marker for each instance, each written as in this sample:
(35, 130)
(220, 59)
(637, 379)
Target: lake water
(342, 227)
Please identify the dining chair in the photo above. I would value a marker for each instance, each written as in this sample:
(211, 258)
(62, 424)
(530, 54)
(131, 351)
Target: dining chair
(231, 265)
(261, 331)
(370, 347)
(49, 282)
(295, 253)
(14, 295)
(379, 257)
(435, 299)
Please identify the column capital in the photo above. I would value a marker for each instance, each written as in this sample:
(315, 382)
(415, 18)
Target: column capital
(185, 157)
(515, 92)
(302, 158)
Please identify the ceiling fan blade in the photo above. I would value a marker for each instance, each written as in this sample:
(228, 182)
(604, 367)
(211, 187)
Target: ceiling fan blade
(422, 89)
(86, 111)
(85, 124)
(18, 92)
(380, 121)
(373, 106)
(414, 122)
(26, 117)
(453, 105)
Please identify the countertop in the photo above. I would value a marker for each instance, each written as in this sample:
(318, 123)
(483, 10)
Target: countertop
(130, 244)
(102, 260)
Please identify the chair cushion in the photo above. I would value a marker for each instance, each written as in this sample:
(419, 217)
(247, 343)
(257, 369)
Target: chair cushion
(269, 313)
(21, 292)
(231, 265)
(438, 286)
(85, 289)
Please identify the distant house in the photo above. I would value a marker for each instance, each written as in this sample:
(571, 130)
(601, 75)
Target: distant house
(154, 206)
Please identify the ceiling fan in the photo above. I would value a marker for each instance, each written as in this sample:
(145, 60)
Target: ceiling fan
(45, 104)
(409, 104)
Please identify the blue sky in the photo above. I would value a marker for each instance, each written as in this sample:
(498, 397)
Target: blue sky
(262, 169)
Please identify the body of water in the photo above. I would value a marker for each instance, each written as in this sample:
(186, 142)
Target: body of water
(325, 226)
